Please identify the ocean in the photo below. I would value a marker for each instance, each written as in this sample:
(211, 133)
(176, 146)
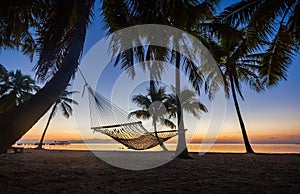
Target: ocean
(202, 148)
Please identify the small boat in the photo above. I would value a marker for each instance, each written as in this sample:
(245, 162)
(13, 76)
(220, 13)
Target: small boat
(62, 142)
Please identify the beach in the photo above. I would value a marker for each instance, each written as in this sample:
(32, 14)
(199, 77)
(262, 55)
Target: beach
(64, 171)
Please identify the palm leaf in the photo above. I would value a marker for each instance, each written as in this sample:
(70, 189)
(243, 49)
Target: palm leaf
(53, 38)
(66, 109)
(169, 123)
(55, 34)
(239, 13)
(18, 19)
(192, 70)
(278, 57)
(140, 114)
(141, 101)
(262, 24)
(250, 77)
(293, 23)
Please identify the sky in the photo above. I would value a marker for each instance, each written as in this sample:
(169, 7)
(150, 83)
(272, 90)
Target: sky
(270, 116)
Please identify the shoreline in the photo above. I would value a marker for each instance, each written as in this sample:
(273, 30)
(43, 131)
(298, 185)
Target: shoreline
(27, 150)
(211, 148)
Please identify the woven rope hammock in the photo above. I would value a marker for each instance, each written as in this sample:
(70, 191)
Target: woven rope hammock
(111, 120)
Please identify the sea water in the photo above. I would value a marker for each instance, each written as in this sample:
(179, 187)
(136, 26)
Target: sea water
(202, 148)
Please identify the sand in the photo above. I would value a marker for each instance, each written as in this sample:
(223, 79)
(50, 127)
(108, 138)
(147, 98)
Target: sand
(45, 171)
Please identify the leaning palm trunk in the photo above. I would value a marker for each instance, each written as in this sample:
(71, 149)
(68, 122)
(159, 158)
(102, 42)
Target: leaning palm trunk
(181, 149)
(17, 121)
(242, 125)
(40, 146)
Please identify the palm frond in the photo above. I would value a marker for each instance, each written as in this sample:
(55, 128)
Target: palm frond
(278, 57)
(169, 123)
(189, 103)
(293, 23)
(66, 109)
(239, 13)
(223, 31)
(141, 101)
(262, 24)
(18, 20)
(250, 77)
(140, 114)
(54, 38)
(55, 35)
(192, 71)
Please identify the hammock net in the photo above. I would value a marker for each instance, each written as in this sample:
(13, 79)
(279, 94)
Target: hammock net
(109, 119)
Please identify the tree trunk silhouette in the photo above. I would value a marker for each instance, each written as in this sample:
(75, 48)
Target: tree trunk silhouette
(17, 121)
(40, 146)
(181, 149)
(152, 88)
(156, 135)
(242, 125)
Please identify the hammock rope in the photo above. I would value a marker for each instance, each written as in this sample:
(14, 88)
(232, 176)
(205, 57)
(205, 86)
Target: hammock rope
(111, 120)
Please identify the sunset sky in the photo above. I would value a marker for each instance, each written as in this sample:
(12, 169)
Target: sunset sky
(270, 116)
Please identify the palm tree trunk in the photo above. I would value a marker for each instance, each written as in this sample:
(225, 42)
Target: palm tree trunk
(156, 135)
(152, 83)
(181, 149)
(40, 146)
(17, 121)
(242, 125)
(152, 88)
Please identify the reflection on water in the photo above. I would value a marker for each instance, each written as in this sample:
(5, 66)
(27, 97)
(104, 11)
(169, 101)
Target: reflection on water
(223, 148)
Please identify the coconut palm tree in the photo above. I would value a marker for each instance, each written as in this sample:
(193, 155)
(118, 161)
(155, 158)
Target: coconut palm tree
(254, 42)
(60, 28)
(184, 15)
(189, 103)
(64, 103)
(275, 25)
(60, 32)
(240, 71)
(17, 88)
(239, 66)
(154, 105)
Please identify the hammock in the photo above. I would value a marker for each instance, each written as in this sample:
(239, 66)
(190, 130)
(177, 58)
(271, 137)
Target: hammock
(111, 120)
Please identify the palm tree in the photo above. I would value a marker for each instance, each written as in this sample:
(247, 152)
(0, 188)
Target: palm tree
(235, 72)
(4, 80)
(154, 105)
(60, 32)
(189, 103)
(275, 25)
(180, 14)
(186, 15)
(237, 64)
(17, 88)
(64, 103)
(254, 42)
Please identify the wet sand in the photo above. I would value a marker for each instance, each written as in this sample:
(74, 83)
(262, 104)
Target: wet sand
(45, 171)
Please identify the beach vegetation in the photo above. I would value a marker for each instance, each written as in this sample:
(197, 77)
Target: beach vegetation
(16, 88)
(64, 103)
